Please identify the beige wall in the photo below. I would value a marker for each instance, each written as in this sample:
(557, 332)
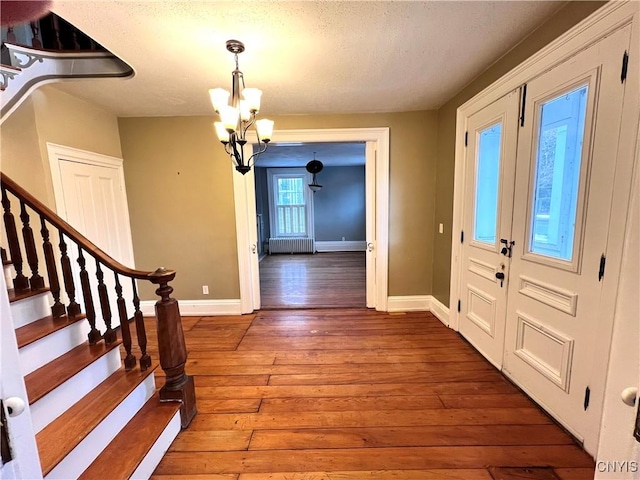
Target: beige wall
(565, 18)
(49, 115)
(180, 188)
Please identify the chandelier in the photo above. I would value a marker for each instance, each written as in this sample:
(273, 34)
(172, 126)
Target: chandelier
(314, 167)
(236, 117)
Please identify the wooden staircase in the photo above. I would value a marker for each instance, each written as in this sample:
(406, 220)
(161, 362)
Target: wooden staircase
(54, 50)
(94, 406)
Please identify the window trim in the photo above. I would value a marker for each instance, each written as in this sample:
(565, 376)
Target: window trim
(272, 175)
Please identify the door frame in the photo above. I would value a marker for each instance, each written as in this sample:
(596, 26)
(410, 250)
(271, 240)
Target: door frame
(377, 187)
(611, 17)
(59, 153)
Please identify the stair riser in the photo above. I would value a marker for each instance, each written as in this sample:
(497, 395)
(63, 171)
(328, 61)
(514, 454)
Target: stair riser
(37, 354)
(88, 450)
(153, 458)
(56, 402)
(30, 309)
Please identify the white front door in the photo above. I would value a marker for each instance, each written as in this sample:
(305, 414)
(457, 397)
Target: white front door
(22, 459)
(490, 166)
(562, 206)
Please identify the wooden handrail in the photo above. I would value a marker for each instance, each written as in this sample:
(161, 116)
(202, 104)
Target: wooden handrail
(158, 276)
(172, 349)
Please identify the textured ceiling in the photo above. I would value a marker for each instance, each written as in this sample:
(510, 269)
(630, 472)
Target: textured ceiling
(309, 57)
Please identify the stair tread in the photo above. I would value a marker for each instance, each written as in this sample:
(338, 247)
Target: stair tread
(62, 435)
(34, 331)
(4, 66)
(14, 297)
(46, 378)
(136, 439)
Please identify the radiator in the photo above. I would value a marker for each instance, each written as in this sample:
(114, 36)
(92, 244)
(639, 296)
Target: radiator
(291, 245)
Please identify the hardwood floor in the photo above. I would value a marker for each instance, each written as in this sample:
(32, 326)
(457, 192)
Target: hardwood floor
(356, 394)
(322, 280)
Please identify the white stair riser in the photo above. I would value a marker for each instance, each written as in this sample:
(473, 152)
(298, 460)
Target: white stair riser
(56, 402)
(152, 459)
(79, 459)
(30, 309)
(37, 354)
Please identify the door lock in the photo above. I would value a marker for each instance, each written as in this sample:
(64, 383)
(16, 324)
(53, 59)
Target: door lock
(506, 250)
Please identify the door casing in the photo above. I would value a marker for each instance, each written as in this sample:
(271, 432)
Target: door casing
(377, 196)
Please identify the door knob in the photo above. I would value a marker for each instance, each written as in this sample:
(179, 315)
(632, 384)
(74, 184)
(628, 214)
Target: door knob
(369, 246)
(629, 396)
(500, 275)
(254, 248)
(15, 406)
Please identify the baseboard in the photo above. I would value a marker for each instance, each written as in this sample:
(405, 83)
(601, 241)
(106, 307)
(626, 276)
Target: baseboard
(196, 308)
(409, 303)
(339, 246)
(419, 303)
(439, 310)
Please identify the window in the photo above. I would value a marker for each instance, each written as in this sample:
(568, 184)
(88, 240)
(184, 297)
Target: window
(557, 174)
(290, 203)
(487, 176)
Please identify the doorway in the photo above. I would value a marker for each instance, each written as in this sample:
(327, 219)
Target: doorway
(538, 182)
(312, 242)
(376, 141)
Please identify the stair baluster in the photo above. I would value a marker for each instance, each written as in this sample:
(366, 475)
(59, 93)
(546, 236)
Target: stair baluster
(94, 334)
(57, 309)
(36, 280)
(73, 308)
(129, 360)
(145, 359)
(20, 282)
(178, 385)
(110, 335)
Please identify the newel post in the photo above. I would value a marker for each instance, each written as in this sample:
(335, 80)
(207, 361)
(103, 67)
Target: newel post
(178, 387)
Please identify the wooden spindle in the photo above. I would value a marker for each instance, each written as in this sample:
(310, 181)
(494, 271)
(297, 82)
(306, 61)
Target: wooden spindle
(110, 334)
(145, 359)
(94, 334)
(35, 29)
(36, 280)
(56, 31)
(73, 309)
(57, 309)
(172, 349)
(20, 282)
(129, 360)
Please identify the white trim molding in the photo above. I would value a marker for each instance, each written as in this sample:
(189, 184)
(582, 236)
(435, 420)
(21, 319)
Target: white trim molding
(419, 303)
(197, 308)
(440, 310)
(377, 164)
(341, 246)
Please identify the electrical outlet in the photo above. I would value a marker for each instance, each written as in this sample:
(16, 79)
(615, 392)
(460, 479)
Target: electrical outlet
(205, 289)
(441, 228)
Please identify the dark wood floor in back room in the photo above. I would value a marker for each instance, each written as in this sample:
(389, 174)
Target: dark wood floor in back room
(313, 281)
(353, 394)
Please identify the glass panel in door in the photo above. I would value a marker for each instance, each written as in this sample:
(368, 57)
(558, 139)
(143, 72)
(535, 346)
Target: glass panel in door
(557, 174)
(487, 176)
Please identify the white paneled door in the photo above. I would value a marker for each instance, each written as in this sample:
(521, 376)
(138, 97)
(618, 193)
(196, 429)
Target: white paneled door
(562, 206)
(490, 166)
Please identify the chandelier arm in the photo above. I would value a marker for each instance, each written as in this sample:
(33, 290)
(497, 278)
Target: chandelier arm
(239, 156)
(255, 156)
